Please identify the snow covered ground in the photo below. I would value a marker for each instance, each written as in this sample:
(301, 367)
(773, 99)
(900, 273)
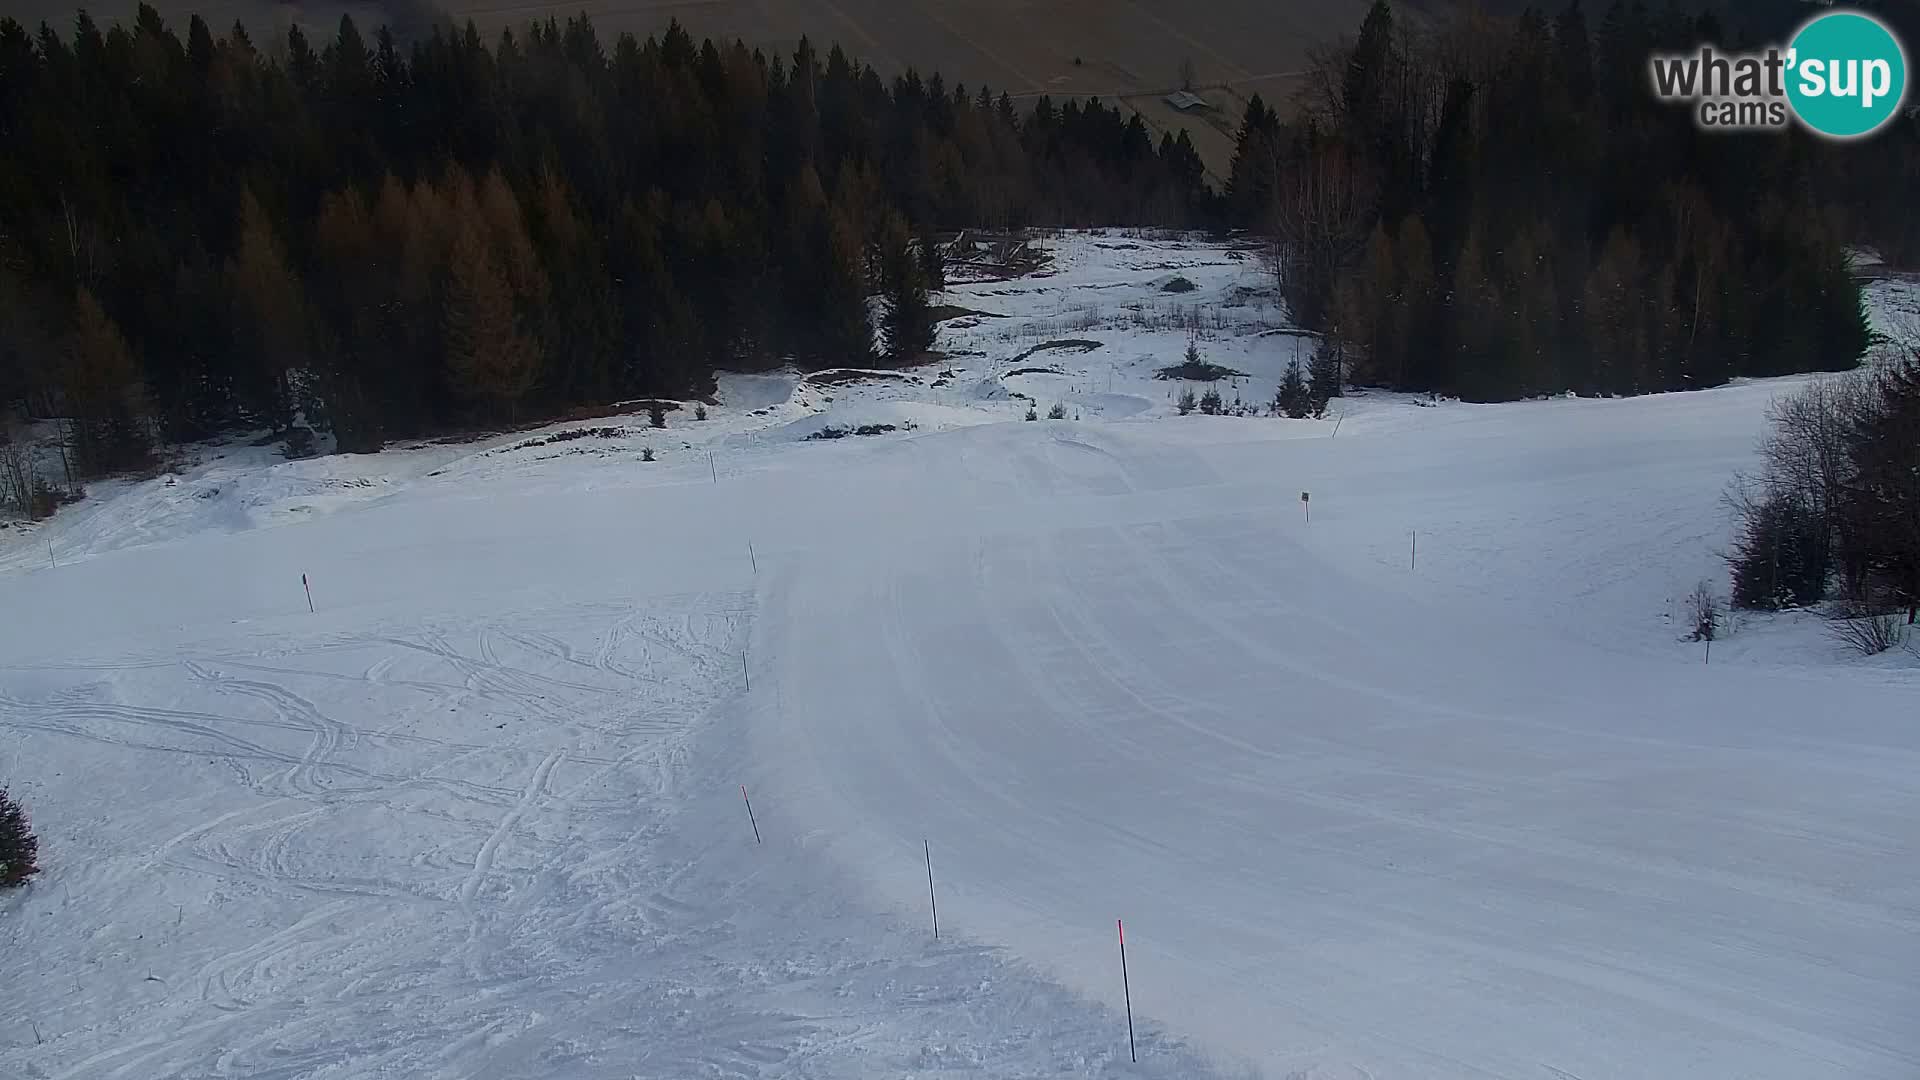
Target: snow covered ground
(1470, 811)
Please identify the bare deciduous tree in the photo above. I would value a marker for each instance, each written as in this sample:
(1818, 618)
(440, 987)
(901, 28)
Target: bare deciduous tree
(16, 470)
(1321, 219)
(1703, 612)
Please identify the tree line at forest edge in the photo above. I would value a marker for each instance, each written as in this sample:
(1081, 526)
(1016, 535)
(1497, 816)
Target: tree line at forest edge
(389, 240)
(1497, 208)
(386, 241)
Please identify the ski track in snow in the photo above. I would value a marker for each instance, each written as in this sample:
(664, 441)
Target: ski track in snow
(479, 814)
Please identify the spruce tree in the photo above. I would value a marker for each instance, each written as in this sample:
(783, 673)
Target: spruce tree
(18, 847)
(1325, 376)
(907, 314)
(1883, 511)
(933, 262)
(1293, 397)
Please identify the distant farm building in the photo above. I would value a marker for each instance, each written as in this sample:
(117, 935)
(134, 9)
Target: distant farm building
(1187, 101)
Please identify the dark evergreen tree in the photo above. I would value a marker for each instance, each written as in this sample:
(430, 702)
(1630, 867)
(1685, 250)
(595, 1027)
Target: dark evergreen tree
(1293, 398)
(907, 315)
(19, 849)
(1881, 518)
(1325, 375)
(1253, 175)
(1780, 559)
(933, 263)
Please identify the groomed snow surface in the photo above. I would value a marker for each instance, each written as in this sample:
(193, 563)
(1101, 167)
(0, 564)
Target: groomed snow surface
(1474, 810)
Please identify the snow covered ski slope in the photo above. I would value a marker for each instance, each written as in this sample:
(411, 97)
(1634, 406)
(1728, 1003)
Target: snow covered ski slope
(1474, 811)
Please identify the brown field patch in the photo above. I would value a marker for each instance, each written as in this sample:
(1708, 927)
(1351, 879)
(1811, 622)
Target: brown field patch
(1128, 51)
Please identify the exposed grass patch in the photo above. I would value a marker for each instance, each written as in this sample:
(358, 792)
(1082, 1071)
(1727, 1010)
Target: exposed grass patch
(1198, 372)
(863, 429)
(566, 436)
(945, 312)
(845, 376)
(1063, 344)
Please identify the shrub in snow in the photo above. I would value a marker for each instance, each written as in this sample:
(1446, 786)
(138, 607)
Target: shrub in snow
(1703, 612)
(299, 443)
(1186, 401)
(18, 848)
(1032, 414)
(1058, 412)
(1194, 369)
(1869, 635)
(646, 453)
(657, 415)
(699, 412)
(1210, 402)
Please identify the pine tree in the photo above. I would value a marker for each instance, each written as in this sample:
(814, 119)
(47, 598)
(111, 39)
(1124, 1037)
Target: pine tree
(933, 262)
(847, 335)
(1779, 559)
(907, 314)
(1252, 177)
(1883, 515)
(19, 849)
(1293, 398)
(1325, 376)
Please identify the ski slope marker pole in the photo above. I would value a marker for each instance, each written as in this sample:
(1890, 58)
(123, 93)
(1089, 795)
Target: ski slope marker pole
(309, 588)
(50, 561)
(1415, 556)
(744, 673)
(712, 469)
(750, 818)
(751, 559)
(931, 902)
(1126, 989)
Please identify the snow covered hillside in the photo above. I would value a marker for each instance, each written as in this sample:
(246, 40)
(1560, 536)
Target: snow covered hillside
(1470, 809)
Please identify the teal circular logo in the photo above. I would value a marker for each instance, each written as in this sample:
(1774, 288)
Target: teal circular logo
(1847, 74)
